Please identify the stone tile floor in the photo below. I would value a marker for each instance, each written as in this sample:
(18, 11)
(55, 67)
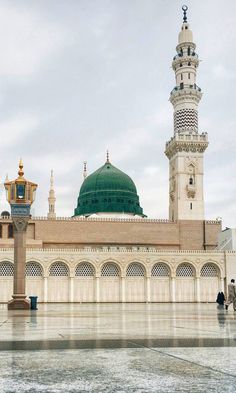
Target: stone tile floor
(129, 348)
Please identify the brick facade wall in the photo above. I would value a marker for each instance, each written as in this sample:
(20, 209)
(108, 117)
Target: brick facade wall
(69, 233)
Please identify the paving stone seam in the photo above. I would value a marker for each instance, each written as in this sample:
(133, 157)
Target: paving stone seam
(185, 360)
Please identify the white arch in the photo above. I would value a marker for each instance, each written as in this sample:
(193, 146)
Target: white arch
(85, 265)
(6, 267)
(110, 268)
(210, 264)
(186, 264)
(37, 264)
(134, 265)
(59, 263)
(161, 264)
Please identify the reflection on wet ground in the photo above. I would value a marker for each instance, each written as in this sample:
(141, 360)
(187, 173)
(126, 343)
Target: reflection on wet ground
(96, 322)
(118, 348)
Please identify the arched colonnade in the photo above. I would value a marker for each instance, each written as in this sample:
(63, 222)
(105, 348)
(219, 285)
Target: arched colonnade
(113, 282)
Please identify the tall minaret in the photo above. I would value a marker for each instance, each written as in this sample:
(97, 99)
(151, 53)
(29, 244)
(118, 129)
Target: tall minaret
(51, 199)
(185, 149)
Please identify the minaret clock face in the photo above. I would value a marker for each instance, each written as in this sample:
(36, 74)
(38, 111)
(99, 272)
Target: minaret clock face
(20, 191)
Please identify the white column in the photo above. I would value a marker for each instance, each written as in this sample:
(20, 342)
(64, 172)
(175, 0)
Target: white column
(148, 289)
(71, 289)
(97, 289)
(122, 287)
(45, 289)
(172, 289)
(197, 286)
(222, 284)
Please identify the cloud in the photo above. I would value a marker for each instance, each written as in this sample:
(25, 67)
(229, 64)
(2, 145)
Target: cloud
(79, 77)
(61, 163)
(16, 128)
(221, 72)
(27, 40)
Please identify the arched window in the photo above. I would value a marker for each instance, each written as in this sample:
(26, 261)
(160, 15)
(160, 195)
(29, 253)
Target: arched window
(33, 269)
(0, 230)
(135, 270)
(189, 51)
(191, 180)
(209, 270)
(110, 269)
(10, 231)
(185, 270)
(160, 270)
(6, 269)
(59, 269)
(84, 269)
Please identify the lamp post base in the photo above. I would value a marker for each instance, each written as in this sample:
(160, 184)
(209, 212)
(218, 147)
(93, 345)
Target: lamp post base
(18, 302)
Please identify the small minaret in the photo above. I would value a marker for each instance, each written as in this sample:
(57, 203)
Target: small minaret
(185, 149)
(108, 159)
(85, 169)
(51, 199)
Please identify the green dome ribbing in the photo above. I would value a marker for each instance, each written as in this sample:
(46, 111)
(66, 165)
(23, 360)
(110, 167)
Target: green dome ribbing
(108, 190)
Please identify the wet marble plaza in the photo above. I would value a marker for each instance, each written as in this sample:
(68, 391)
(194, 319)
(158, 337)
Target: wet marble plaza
(118, 348)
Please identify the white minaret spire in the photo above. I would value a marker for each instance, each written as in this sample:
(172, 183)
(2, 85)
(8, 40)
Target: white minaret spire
(51, 198)
(185, 149)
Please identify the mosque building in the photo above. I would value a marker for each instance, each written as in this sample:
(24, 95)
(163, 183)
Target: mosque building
(109, 251)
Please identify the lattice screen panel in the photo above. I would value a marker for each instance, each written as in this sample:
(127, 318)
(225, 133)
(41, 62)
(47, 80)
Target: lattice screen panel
(185, 271)
(33, 269)
(110, 269)
(84, 269)
(135, 270)
(160, 270)
(58, 269)
(209, 271)
(6, 269)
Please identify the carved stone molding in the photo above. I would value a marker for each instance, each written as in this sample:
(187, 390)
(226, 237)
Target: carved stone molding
(193, 146)
(191, 191)
(20, 223)
(172, 196)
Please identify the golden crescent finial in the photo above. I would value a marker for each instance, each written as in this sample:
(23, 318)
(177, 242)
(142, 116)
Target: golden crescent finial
(21, 172)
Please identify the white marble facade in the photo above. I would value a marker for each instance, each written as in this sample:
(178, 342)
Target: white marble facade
(116, 274)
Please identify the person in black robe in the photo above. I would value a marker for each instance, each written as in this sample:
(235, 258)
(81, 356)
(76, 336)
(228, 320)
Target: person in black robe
(220, 298)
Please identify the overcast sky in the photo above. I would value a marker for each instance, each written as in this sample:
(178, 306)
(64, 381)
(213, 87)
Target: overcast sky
(78, 77)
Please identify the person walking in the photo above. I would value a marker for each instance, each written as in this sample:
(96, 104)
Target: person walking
(231, 295)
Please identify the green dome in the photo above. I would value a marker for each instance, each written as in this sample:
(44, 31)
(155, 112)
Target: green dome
(108, 190)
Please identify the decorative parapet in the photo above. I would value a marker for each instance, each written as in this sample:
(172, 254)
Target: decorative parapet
(105, 219)
(186, 142)
(214, 222)
(118, 250)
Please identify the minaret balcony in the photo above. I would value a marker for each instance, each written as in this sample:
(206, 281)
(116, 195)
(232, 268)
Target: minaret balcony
(186, 93)
(181, 56)
(187, 143)
(185, 86)
(187, 61)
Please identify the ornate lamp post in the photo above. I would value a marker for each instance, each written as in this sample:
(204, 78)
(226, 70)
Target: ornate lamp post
(20, 195)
